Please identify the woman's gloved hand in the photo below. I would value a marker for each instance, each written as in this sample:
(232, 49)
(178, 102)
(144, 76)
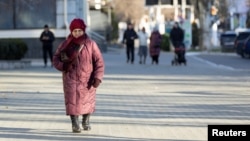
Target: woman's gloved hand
(64, 57)
(96, 82)
(70, 53)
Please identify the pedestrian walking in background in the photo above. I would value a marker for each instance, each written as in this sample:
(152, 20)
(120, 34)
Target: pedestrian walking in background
(155, 45)
(129, 37)
(176, 35)
(177, 39)
(82, 66)
(143, 45)
(47, 38)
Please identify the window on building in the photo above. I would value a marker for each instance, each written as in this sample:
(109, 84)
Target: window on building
(6, 20)
(151, 2)
(188, 2)
(165, 2)
(156, 2)
(27, 14)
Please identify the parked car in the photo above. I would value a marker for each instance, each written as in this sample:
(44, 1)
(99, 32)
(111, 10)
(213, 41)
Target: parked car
(246, 48)
(227, 39)
(240, 41)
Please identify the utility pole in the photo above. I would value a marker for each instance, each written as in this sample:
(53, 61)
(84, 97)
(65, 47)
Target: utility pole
(183, 9)
(176, 10)
(158, 12)
(109, 15)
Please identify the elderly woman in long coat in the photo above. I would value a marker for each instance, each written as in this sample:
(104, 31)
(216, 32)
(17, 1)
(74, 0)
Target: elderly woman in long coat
(82, 66)
(155, 45)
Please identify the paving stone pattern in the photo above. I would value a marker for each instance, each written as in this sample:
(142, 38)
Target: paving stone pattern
(134, 103)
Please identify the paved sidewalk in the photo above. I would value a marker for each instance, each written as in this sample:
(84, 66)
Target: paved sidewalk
(134, 103)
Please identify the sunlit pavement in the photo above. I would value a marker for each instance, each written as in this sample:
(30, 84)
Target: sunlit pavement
(134, 103)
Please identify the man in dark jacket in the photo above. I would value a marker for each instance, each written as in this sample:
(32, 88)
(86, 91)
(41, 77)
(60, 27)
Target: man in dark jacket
(129, 37)
(177, 39)
(47, 38)
(176, 35)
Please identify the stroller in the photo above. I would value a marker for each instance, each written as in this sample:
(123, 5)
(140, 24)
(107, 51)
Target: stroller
(179, 56)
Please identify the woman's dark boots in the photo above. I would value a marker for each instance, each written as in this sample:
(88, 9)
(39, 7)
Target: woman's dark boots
(85, 122)
(75, 124)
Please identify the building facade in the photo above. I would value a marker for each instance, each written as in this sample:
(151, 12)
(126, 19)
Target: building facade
(25, 19)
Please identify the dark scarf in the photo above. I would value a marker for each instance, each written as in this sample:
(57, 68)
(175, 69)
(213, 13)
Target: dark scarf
(70, 39)
(72, 45)
(78, 40)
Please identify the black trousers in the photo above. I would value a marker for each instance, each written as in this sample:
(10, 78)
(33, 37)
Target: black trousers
(47, 50)
(130, 53)
(155, 59)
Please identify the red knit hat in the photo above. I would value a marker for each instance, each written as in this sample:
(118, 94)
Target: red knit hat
(77, 23)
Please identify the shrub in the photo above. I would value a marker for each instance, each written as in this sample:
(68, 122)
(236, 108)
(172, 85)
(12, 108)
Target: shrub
(165, 44)
(12, 49)
(195, 35)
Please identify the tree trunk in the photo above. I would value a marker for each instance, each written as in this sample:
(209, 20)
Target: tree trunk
(202, 12)
(205, 43)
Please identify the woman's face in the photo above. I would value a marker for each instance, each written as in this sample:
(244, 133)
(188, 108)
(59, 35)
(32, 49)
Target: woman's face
(77, 32)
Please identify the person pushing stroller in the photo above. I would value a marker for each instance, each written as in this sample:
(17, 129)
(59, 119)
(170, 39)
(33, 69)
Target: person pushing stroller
(177, 39)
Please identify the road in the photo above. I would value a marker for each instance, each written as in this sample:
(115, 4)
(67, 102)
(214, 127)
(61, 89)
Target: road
(99, 22)
(134, 102)
(227, 60)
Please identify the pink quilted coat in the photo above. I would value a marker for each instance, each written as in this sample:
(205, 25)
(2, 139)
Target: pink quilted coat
(79, 94)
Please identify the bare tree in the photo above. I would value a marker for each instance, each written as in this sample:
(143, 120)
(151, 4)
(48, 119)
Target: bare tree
(202, 12)
(129, 10)
(132, 11)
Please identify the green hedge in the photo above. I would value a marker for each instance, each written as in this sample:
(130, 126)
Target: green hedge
(165, 44)
(12, 49)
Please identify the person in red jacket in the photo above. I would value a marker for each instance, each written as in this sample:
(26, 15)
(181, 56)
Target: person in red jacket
(82, 66)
